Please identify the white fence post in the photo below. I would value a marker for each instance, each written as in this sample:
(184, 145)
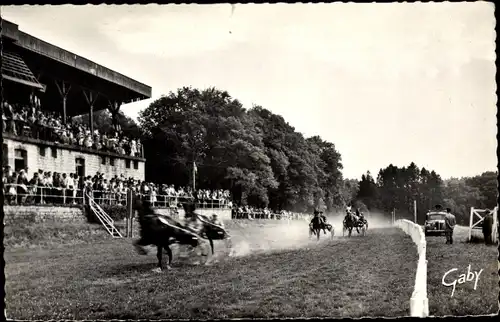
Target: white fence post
(471, 219)
(494, 233)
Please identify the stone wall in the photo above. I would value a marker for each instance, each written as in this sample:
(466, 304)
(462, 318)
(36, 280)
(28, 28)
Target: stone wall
(48, 156)
(40, 214)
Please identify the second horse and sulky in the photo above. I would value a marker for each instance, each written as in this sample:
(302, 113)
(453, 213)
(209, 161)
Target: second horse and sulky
(354, 220)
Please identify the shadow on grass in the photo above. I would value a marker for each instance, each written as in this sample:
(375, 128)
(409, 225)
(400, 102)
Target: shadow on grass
(475, 239)
(147, 265)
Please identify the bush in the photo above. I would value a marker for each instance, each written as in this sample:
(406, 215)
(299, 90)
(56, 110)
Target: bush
(116, 212)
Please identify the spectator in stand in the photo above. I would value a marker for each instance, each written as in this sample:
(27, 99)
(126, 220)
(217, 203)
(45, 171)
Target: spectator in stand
(22, 189)
(48, 187)
(31, 121)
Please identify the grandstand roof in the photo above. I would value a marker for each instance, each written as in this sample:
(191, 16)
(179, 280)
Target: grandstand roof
(47, 63)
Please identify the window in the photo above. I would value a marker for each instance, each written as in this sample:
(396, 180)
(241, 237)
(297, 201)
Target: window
(103, 160)
(112, 161)
(136, 165)
(80, 167)
(5, 155)
(20, 160)
(41, 151)
(54, 152)
(127, 164)
(435, 217)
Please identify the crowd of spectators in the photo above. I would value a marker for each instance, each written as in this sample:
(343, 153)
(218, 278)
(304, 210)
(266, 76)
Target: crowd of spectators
(32, 121)
(61, 188)
(46, 187)
(247, 212)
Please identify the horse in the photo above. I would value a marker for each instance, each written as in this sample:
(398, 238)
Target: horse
(162, 232)
(350, 222)
(213, 232)
(316, 226)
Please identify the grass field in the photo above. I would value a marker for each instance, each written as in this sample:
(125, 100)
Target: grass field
(276, 273)
(465, 301)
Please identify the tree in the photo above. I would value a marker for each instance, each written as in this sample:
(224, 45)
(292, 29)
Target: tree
(308, 170)
(368, 192)
(103, 122)
(459, 196)
(487, 184)
(349, 191)
(212, 129)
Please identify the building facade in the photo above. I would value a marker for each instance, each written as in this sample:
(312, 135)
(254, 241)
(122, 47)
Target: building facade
(33, 155)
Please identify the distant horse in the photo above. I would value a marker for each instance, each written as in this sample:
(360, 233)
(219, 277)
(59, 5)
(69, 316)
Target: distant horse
(350, 222)
(316, 226)
(162, 232)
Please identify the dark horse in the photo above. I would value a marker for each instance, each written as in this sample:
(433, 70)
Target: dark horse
(162, 232)
(213, 232)
(317, 225)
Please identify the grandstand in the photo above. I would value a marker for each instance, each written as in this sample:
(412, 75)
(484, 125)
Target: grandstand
(53, 160)
(44, 88)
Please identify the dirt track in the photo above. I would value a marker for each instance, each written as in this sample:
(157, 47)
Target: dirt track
(260, 236)
(276, 272)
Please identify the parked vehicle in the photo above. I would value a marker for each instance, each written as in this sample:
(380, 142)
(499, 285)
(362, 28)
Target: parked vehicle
(434, 222)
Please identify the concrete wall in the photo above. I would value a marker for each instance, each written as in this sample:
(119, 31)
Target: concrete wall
(65, 160)
(38, 214)
(41, 213)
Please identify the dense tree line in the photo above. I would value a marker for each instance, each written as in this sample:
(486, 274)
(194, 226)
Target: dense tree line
(254, 153)
(263, 161)
(396, 189)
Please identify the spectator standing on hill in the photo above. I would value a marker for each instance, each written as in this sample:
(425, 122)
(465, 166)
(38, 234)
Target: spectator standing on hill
(488, 228)
(449, 222)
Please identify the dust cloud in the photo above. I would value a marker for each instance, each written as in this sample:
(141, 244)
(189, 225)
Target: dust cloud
(375, 220)
(263, 236)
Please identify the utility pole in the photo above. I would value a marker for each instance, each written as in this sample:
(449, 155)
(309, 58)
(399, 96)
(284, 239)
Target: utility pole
(415, 210)
(195, 170)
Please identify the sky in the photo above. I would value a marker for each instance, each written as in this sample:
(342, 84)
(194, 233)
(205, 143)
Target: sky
(386, 83)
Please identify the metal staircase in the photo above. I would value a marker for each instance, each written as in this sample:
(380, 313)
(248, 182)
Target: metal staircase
(104, 218)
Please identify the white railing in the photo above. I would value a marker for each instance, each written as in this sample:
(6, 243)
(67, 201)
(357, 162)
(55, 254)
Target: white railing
(19, 194)
(419, 303)
(480, 213)
(104, 218)
(276, 216)
(169, 201)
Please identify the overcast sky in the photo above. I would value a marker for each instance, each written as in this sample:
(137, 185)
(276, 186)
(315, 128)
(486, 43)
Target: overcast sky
(386, 83)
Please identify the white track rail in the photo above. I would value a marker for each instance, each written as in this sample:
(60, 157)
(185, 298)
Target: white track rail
(419, 303)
